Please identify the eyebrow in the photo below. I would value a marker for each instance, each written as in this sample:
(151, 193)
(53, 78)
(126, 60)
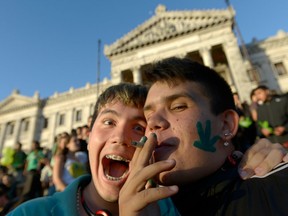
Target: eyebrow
(169, 98)
(111, 111)
(105, 111)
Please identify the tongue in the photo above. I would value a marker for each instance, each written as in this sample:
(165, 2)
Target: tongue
(117, 169)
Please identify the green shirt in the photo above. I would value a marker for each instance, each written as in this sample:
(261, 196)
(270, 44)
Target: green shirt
(33, 160)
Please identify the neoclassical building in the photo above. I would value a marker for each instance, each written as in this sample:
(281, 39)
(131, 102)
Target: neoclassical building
(206, 36)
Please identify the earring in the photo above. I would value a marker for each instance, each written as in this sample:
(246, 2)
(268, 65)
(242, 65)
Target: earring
(226, 143)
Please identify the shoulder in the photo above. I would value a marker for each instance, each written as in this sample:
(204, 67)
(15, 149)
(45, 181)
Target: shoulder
(259, 195)
(61, 203)
(38, 206)
(279, 171)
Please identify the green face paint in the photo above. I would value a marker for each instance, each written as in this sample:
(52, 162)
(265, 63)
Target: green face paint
(205, 143)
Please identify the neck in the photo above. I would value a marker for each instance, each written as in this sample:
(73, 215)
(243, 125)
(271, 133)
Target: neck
(95, 202)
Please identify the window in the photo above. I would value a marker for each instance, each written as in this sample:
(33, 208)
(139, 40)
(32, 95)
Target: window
(25, 125)
(78, 115)
(253, 74)
(10, 128)
(45, 124)
(91, 109)
(280, 69)
(61, 120)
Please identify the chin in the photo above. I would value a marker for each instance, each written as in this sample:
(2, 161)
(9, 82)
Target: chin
(110, 197)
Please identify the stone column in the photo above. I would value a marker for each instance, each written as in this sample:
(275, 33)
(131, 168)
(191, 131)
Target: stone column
(116, 76)
(2, 135)
(137, 76)
(52, 128)
(237, 67)
(86, 113)
(33, 122)
(18, 129)
(207, 57)
(70, 115)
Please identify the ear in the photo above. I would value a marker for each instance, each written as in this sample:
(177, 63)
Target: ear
(230, 123)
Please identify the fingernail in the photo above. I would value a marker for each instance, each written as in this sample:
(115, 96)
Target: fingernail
(141, 143)
(259, 171)
(245, 174)
(143, 139)
(173, 188)
(169, 161)
(154, 135)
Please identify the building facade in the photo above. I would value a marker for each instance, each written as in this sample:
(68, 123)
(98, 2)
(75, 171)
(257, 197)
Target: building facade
(206, 36)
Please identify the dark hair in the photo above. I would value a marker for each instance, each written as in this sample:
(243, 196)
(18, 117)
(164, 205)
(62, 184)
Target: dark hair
(262, 87)
(3, 189)
(128, 93)
(174, 71)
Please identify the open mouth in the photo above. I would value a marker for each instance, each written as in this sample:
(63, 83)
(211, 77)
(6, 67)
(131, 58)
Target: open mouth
(115, 167)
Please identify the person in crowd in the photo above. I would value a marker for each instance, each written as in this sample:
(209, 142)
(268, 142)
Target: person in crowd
(46, 177)
(79, 132)
(191, 121)
(32, 187)
(6, 203)
(117, 121)
(89, 121)
(9, 181)
(85, 133)
(247, 130)
(69, 163)
(19, 159)
(3, 171)
(272, 115)
(253, 106)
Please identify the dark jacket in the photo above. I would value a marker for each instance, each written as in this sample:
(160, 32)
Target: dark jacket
(225, 193)
(275, 112)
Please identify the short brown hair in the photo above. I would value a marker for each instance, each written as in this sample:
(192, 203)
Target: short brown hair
(128, 93)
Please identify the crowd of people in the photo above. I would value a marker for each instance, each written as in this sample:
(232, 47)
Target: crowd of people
(42, 171)
(189, 122)
(265, 117)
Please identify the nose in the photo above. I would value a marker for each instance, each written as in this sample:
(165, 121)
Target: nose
(157, 121)
(120, 136)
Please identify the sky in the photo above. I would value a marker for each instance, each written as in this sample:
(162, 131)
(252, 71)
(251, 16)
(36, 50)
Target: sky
(51, 45)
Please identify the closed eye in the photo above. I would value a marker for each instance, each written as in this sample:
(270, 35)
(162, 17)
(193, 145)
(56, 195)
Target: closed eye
(179, 107)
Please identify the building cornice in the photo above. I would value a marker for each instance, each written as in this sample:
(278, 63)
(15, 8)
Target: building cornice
(268, 44)
(168, 24)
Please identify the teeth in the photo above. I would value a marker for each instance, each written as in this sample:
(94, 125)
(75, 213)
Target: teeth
(113, 178)
(117, 158)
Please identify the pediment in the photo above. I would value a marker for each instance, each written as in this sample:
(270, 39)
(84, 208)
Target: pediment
(168, 24)
(15, 101)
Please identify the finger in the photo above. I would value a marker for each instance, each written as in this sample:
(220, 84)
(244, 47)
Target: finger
(138, 181)
(261, 158)
(257, 147)
(143, 158)
(254, 160)
(271, 160)
(154, 194)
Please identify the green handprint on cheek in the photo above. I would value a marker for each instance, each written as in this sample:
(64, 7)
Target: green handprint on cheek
(205, 143)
